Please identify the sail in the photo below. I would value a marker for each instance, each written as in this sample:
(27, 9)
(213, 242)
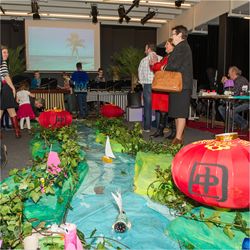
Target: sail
(108, 149)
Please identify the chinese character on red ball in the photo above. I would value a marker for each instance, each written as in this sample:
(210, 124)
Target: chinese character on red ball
(215, 172)
(55, 118)
(110, 110)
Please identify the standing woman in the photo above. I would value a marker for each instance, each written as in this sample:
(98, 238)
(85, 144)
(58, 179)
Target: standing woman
(160, 99)
(8, 92)
(180, 60)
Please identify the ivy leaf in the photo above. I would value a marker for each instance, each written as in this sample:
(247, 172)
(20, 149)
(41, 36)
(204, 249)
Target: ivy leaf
(23, 185)
(5, 210)
(209, 224)
(13, 171)
(247, 232)
(227, 230)
(50, 190)
(93, 233)
(202, 213)
(35, 196)
(27, 228)
(41, 225)
(101, 246)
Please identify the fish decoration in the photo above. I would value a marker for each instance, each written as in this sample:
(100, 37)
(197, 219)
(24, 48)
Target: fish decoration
(122, 224)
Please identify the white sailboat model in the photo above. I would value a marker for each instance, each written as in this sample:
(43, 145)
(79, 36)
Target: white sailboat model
(108, 149)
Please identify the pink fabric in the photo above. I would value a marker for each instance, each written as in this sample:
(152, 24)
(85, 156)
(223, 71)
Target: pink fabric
(53, 162)
(71, 241)
(25, 110)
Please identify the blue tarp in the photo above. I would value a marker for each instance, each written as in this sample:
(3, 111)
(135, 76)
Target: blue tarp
(94, 207)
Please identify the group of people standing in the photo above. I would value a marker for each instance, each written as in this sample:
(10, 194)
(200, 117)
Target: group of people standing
(20, 105)
(173, 105)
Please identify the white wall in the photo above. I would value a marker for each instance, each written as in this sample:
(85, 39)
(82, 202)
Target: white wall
(201, 13)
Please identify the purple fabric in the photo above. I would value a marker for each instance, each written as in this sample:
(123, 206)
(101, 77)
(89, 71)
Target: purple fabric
(228, 83)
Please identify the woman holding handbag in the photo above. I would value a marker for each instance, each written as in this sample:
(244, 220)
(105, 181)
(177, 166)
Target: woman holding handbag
(180, 60)
(160, 99)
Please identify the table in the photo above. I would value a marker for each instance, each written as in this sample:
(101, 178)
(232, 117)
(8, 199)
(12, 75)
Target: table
(229, 100)
(53, 97)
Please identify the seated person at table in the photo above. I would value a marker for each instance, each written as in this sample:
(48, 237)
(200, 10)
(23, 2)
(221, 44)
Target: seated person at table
(36, 81)
(37, 104)
(100, 76)
(239, 83)
(80, 82)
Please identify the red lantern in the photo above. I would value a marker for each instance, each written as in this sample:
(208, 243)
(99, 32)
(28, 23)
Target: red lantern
(55, 119)
(110, 110)
(215, 172)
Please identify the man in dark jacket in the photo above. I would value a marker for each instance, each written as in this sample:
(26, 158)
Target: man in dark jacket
(180, 60)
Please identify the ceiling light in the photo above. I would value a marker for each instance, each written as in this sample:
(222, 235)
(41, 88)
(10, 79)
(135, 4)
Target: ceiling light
(178, 3)
(122, 14)
(150, 15)
(34, 9)
(94, 13)
(1, 8)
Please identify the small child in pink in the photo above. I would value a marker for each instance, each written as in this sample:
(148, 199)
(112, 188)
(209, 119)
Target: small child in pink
(25, 111)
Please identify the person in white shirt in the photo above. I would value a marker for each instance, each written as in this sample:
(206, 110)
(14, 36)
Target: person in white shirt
(25, 111)
(146, 78)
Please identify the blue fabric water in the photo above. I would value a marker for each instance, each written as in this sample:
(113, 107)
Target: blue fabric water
(94, 206)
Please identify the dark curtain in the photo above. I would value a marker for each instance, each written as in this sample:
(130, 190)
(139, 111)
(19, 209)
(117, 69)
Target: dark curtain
(114, 38)
(238, 44)
(213, 46)
(199, 44)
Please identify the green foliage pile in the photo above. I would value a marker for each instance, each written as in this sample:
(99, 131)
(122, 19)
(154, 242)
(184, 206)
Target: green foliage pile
(131, 138)
(35, 182)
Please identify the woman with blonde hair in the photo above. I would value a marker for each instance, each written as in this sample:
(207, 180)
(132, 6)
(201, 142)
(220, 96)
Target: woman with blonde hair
(8, 92)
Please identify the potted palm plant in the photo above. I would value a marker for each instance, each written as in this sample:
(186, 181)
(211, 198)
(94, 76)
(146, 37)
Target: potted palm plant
(128, 61)
(16, 63)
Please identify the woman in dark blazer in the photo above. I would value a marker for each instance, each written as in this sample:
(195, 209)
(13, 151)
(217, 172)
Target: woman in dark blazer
(180, 60)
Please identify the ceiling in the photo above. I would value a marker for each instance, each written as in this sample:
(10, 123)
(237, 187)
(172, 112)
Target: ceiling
(108, 10)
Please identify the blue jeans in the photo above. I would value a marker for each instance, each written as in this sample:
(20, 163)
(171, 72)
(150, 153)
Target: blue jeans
(237, 117)
(82, 104)
(147, 99)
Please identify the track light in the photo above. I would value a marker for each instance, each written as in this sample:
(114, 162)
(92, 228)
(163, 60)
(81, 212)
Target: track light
(179, 2)
(3, 11)
(151, 14)
(122, 14)
(34, 9)
(94, 13)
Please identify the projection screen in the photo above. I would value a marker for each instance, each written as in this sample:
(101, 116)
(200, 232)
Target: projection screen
(59, 45)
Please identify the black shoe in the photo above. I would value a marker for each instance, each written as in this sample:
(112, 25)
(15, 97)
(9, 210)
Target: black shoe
(158, 133)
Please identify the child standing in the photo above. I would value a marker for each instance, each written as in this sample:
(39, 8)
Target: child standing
(25, 111)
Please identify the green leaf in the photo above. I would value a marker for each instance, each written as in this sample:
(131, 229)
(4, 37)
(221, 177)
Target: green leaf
(35, 196)
(13, 171)
(227, 230)
(247, 232)
(202, 213)
(101, 246)
(41, 225)
(50, 190)
(5, 210)
(209, 224)
(23, 185)
(93, 233)
(27, 228)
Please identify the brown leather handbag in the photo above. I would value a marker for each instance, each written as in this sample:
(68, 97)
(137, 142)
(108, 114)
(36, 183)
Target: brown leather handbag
(167, 81)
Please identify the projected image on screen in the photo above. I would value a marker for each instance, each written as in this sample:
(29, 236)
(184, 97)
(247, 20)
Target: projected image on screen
(60, 48)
